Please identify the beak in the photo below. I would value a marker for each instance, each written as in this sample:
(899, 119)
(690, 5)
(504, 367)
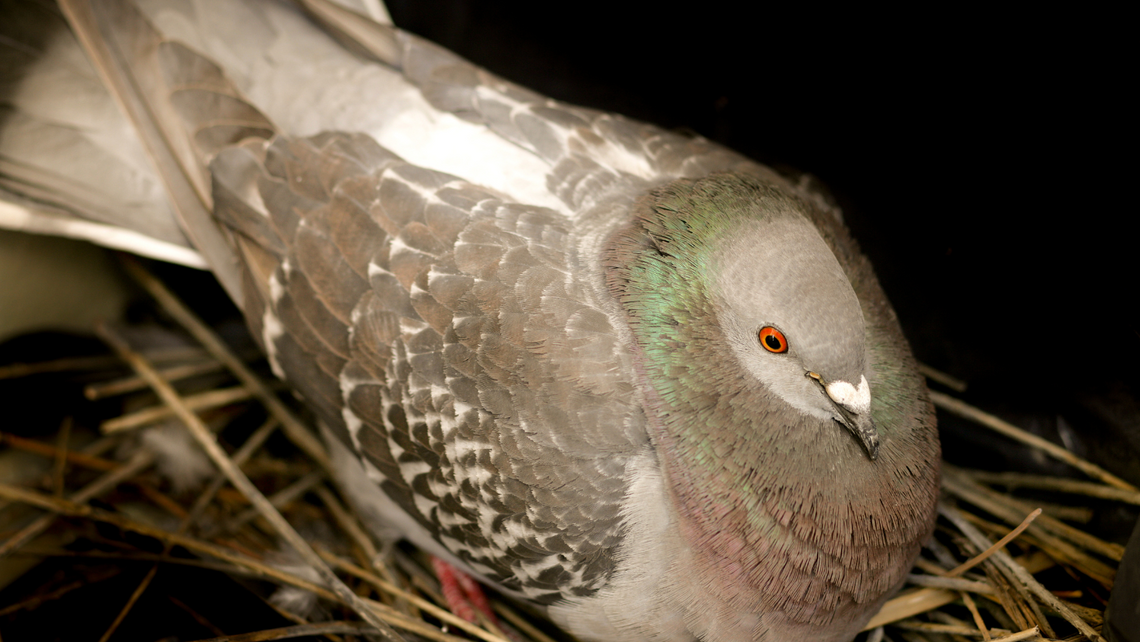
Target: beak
(853, 410)
(860, 425)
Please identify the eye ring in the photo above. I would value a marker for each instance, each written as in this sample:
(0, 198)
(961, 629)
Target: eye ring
(772, 339)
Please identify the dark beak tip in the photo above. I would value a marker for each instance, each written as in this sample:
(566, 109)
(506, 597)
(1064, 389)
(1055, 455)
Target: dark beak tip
(870, 438)
(861, 426)
(867, 434)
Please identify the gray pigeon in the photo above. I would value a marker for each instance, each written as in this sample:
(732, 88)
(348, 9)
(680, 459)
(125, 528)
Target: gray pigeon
(629, 376)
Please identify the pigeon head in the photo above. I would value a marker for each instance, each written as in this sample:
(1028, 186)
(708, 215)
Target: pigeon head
(792, 319)
(741, 251)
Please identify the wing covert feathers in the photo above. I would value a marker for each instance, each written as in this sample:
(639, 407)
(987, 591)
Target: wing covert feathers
(436, 327)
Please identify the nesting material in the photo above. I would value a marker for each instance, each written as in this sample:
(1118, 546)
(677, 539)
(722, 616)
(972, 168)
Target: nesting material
(999, 567)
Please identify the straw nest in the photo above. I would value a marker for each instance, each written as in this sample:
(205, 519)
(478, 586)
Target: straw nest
(97, 544)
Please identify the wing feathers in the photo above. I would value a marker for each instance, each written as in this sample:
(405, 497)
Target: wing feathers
(439, 326)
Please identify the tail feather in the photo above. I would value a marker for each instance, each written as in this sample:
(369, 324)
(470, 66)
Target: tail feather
(364, 27)
(70, 163)
(181, 110)
(169, 93)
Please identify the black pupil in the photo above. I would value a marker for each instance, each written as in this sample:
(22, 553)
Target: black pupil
(772, 342)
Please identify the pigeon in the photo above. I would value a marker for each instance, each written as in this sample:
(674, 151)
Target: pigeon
(629, 376)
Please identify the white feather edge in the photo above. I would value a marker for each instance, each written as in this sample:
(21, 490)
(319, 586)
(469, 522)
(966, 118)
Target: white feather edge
(39, 221)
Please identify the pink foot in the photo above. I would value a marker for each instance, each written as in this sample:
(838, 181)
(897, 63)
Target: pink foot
(463, 594)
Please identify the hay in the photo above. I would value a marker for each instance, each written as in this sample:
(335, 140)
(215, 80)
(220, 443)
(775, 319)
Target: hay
(999, 568)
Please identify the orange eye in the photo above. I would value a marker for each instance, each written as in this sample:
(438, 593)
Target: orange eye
(773, 340)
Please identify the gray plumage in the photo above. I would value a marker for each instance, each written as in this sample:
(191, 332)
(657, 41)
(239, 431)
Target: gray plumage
(534, 333)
